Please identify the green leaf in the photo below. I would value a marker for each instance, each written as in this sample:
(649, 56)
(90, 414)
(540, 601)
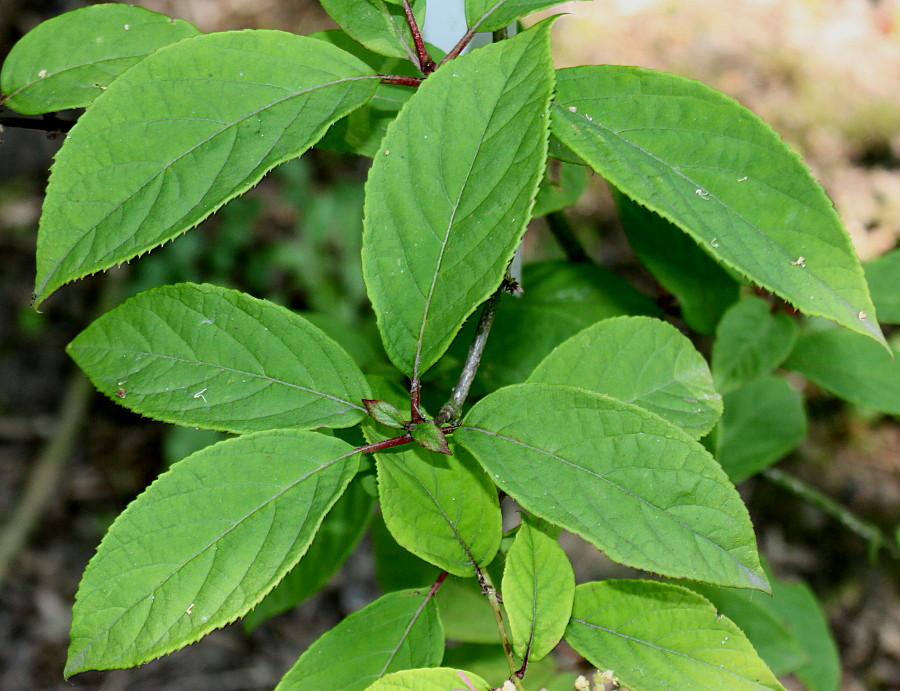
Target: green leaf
(661, 636)
(763, 621)
(384, 413)
(380, 26)
(639, 360)
(804, 615)
(763, 422)
(203, 544)
(489, 662)
(449, 194)
(560, 300)
(398, 631)
(443, 509)
(883, 276)
(395, 568)
(750, 342)
(68, 61)
(429, 436)
(627, 481)
(538, 590)
(210, 357)
(850, 368)
(340, 532)
(182, 132)
(438, 679)
(704, 289)
(561, 187)
(713, 168)
(466, 613)
(491, 15)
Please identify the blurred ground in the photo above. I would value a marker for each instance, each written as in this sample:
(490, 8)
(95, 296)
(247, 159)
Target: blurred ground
(825, 73)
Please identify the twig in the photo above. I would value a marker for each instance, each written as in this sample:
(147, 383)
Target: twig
(490, 592)
(426, 64)
(564, 235)
(49, 123)
(400, 79)
(385, 444)
(452, 409)
(868, 531)
(460, 45)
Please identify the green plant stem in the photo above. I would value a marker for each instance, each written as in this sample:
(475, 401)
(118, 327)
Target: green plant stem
(868, 531)
(490, 592)
(452, 409)
(564, 234)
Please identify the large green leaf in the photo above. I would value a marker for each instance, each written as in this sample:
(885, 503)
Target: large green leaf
(340, 532)
(380, 26)
(438, 679)
(450, 192)
(203, 544)
(660, 636)
(750, 342)
(68, 61)
(210, 357)
(538, 590)
(466, 613)
(441, 508)
(883, 276)
(182, 132)
(714, 169)
(632, 484)
(398, 631)
(850, 367)
(491, 15)
(703, 288)
(763, 422)
(639, 360)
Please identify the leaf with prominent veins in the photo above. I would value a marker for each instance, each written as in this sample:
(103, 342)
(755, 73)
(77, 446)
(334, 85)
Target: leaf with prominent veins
(450, 192)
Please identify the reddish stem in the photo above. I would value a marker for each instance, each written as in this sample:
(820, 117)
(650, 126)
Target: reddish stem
(386, 444)
(460, 46)
(400, 79)
(437, 584)
(426, 64)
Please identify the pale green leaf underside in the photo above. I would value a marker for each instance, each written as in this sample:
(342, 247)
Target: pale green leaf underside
(491, 15)
(883, 276)
(639, 360)
(660, 636)
(449, 193)
(441, 508)
(629, 482)
(378, 25)
(216, 358)
(68, 61)
(538, 589)
(203, 544)
(397, 631)
(713, 168)
(437, 679)
(181, 133)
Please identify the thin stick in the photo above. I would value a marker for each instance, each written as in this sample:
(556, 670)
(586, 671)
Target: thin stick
(490, 592)
(426, 64)
(564, 234)
(385, 444)
(415, 401)
(400, 79)
(48, 123)
(460, 45)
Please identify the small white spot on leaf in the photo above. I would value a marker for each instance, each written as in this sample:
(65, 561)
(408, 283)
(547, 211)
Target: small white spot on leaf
(799, 261)
(42, 74)
(200, 395)
(703, 194)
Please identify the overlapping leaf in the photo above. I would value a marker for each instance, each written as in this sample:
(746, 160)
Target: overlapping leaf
(660, 636)
(55, 66)
(181, 133)
(883, 276)
(398, 631)
(450, 192)
(714, 169)
(626, 480)
(211, 357)
(378, 25)
(203, 544)
(491, 15)
(438, 679)
(642, 361)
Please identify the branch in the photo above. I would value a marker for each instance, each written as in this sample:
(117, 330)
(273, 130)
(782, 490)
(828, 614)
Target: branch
(490, 592)
(400, 79)
(47, 123)
(565, 236)
(460, 45)
(426, 64)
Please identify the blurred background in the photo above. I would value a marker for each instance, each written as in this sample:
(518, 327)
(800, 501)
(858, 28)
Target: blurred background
(824, 73)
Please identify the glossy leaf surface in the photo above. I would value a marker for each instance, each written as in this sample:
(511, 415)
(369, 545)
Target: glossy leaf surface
(660, 636)
(642, 361)
(203, 544)
(398, 631)
(211, 357)
(178, 135)
(449, 194)
(627, 481)
(56, 67)
(714, 169)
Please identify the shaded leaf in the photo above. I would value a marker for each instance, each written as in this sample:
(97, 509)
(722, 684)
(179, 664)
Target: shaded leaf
(216, 358)
(182, 132)
(378, 25)
(489, 662)
(466, 613)
(429, 436)
(384, 413)
(398, 631)
(627, 481)
(561, 187)
(438, 679)
(763, 422)
(750, 342)
(449, 195)
(707, 164)
(638, 360)
(203, 544)
(491, 15)
(660, 636)
(395, 567)
(55, 67)
(883, 276)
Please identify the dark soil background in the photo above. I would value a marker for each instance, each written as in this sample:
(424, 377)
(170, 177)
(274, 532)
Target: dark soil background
(110, 455)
